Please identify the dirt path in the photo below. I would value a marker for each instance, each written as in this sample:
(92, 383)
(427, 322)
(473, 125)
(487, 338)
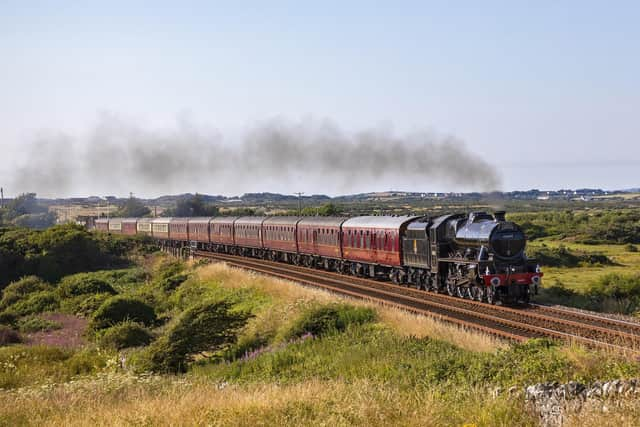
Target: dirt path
(70, 335)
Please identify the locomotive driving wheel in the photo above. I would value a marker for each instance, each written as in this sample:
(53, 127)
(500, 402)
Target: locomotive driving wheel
(477, 293)
(463, 292)
(491, 295)
(452, 288)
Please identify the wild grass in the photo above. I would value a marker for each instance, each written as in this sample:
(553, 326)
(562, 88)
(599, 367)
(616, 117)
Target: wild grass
(22, 365)
(285, 300)
(124, 400)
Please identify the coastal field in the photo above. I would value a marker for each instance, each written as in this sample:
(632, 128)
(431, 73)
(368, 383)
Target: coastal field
(301, 357)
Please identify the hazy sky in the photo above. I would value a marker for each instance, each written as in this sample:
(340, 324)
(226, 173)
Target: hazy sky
(545, 94)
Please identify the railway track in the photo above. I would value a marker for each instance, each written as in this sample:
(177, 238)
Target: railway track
(515, 324)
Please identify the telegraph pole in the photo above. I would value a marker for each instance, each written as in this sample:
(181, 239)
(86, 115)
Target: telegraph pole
(299, 203)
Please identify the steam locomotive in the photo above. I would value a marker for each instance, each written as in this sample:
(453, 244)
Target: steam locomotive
(475, 256)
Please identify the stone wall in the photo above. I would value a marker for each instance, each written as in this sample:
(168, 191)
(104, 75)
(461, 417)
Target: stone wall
(554, 402)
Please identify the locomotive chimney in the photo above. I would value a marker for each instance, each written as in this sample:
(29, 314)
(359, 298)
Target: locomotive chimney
(499, 215)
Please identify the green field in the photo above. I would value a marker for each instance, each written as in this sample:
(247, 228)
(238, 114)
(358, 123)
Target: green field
(580, 278)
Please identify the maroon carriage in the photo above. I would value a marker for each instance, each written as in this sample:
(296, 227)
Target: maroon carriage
(248, 231)
(143, 226)
(320, 236)
(279, 233)
(199, 229)
(115, 225)
(129, 226)
(221, 230)
(374, 239)
(102, 224)
(160, 228)
(178, 229)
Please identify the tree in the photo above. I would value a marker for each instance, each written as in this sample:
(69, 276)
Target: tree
(58, 251)
(133, 207)
(38, 221)
(192, 206)
(207, 327)
(25, 211)
(328, 209)
(24, 204)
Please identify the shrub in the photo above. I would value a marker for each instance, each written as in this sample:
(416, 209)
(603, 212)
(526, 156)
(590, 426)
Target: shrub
(127, 279)
(31, 324)
(59, 251)
(168, 267)
(83, 305)
(168, 284)
(329, 319)
(39, 302)
(18, 290)
(564, 257)
(631, 248)
(8, 318)
(559, 290)
(9, 336)
(207, 327)
(118, 309)
(620, 291)
(124, 335)
(83, 284)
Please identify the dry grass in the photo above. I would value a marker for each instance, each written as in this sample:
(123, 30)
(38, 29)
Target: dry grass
(282, 290)
(409, 324)
(295, 298)
(153, 401)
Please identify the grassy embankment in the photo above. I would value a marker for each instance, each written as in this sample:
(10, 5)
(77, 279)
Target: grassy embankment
(305, 357)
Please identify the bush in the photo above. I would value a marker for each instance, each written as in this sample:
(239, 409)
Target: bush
(18, 290)
(83, 305)
(39, 302)
(207, 327)
(9, 336)
(167, 267)
(8, 318)
(31, 324)
(329, 319)
(631, 248)
(124, 335)
(564, 257)
(559, 291)
(620, 291)
(59, 251)
(168, 284)
(118, 309)
(83, 284)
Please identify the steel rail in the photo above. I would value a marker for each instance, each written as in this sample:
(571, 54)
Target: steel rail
(593, 318)
(425, 303)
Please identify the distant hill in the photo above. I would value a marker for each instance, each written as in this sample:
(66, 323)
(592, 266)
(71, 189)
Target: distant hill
(267, 198)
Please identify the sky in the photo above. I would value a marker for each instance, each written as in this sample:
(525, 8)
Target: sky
(540, 94)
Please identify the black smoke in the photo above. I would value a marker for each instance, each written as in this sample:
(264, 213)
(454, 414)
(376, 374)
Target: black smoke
(118, 156)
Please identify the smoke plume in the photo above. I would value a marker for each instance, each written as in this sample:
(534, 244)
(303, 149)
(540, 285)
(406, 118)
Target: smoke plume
(118, 156)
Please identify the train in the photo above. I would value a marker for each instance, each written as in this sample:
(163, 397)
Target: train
(476, 255)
